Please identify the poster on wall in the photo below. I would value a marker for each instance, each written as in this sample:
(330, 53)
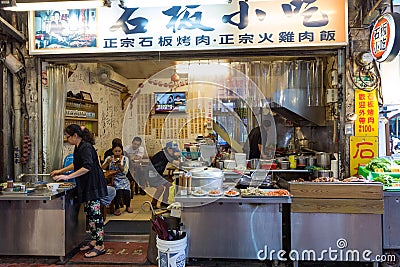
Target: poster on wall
(238, 24)
(65, 29)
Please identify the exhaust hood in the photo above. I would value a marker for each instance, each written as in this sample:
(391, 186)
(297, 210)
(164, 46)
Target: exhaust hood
(301, 115)
(295, 90)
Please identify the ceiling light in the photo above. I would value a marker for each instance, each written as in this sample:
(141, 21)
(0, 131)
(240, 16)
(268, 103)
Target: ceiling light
(161, 3)
(24, 5)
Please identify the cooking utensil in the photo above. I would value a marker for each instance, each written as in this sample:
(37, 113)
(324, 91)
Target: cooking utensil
(322, 173)
(323, 160)
(207, 178)
(311, 161)
(284, 164)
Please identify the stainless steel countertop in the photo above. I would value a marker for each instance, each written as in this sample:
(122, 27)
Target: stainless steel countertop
(43, 194)
(277, 170)
(239, 199)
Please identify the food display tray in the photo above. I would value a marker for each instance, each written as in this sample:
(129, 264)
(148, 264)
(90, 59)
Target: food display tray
(261, 196)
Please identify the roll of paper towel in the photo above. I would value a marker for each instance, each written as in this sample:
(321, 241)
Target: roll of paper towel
(335, 168)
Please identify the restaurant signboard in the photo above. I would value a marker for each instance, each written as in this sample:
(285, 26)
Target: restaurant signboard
(385, 37)
(235, 25)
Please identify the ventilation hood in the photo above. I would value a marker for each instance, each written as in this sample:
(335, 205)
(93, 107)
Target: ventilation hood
(301, 115)
(296, 105)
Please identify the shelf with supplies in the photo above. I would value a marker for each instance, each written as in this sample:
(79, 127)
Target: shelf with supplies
(82, 112)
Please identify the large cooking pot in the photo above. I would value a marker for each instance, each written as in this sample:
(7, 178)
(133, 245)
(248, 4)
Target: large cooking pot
(322, 173)
(191, 164)
(207, 178)
(323, 160)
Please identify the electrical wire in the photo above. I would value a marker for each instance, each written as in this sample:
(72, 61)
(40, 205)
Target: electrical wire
(365, 69)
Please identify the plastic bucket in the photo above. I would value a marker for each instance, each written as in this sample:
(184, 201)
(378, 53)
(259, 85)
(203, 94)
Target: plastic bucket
(171, 253)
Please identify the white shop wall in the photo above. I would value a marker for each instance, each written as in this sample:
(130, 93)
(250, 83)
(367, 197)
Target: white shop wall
(110, 112)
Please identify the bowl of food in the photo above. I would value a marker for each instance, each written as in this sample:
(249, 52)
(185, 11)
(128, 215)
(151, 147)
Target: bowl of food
(53, 186)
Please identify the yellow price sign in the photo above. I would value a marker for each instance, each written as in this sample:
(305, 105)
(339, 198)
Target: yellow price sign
(367, 110)
(362, 150)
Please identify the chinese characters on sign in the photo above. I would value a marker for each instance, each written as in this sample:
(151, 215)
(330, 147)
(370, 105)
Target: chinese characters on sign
(240, 24)
(362, 150)
(366, 107)
(385, 37)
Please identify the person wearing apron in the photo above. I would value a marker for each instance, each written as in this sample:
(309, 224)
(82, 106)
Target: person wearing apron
(119, 163)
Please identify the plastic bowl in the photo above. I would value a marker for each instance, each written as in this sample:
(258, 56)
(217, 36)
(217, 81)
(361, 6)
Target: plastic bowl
(53, 186)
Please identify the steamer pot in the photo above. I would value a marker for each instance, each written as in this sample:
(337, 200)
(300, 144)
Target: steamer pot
(207, 178)
(191, 164)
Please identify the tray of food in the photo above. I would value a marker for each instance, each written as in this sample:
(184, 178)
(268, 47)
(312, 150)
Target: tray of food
(215, 193)
(66, 185)
(257, 192)
(199, 193)
(231, 193)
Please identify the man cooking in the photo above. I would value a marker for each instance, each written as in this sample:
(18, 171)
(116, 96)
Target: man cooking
(257, 140)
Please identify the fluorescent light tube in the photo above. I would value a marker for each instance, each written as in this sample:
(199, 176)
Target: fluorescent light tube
(55, 5)
(162, 3)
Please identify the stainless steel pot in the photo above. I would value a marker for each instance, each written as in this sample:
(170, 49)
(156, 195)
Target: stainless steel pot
(191, 164)
(301, 161)
(311, 161)
(322, 173)
(284, 164)
(207, 178)
(323, 160)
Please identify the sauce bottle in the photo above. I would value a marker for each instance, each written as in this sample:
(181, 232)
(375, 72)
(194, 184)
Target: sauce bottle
(10, 182)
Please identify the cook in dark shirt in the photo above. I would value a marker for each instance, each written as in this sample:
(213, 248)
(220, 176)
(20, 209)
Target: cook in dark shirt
(158, 164)
(257, 140)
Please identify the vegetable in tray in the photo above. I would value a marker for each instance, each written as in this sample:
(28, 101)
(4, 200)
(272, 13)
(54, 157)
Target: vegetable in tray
(386, 180)
(379, 165)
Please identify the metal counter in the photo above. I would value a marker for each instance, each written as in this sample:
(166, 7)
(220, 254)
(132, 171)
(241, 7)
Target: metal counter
(232, 227)
(42, 223)
(391, 219)
(336, 237)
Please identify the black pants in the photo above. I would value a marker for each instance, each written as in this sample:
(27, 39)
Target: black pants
(122, 195)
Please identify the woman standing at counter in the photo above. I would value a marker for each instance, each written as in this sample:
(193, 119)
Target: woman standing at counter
(90, 183)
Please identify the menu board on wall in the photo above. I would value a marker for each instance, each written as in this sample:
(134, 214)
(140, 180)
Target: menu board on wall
(235, 25)
(367, 110)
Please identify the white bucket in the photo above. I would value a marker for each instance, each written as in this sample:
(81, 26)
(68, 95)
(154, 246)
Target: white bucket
(171, 253)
